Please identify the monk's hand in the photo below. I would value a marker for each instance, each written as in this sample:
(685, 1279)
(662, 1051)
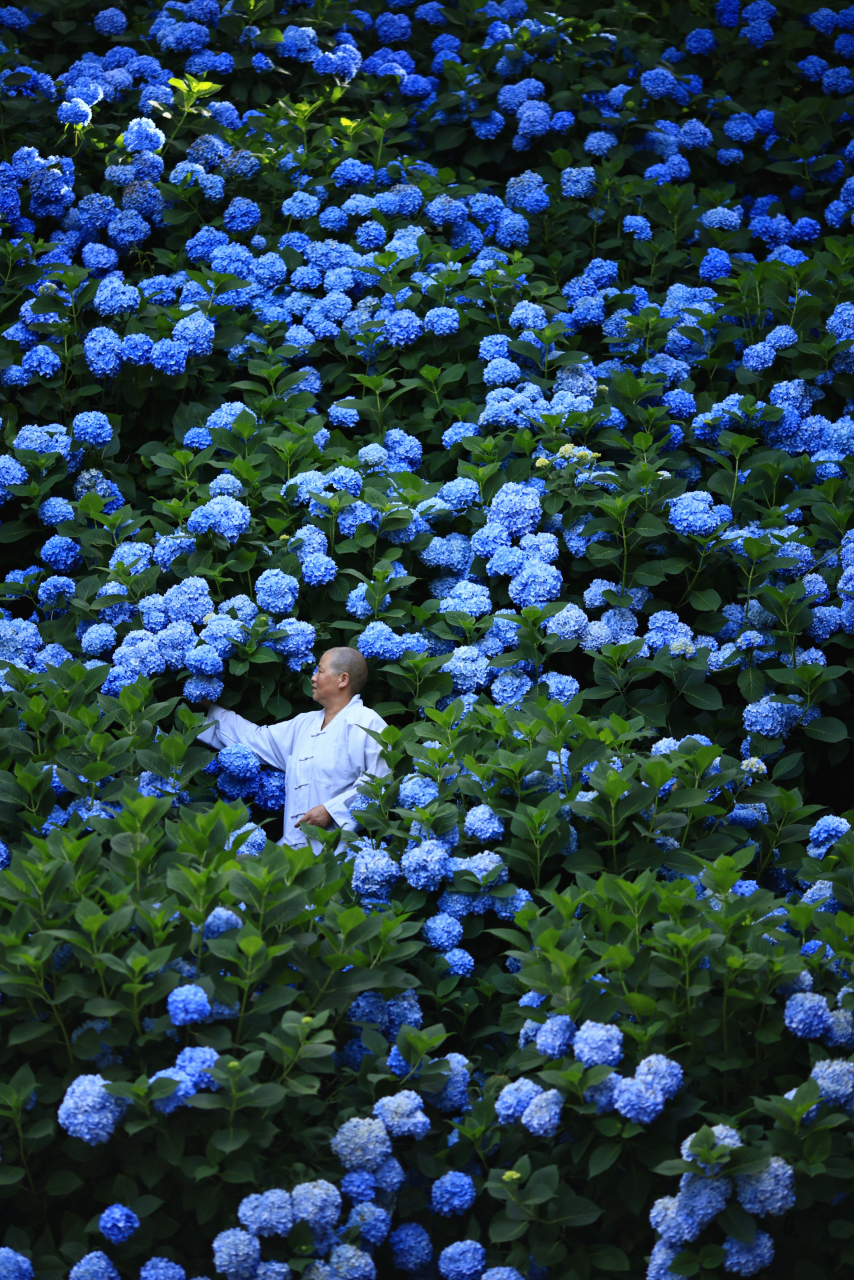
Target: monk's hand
(319, 816)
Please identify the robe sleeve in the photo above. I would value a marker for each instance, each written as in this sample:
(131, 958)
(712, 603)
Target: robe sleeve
(364, 758)
(273, 745)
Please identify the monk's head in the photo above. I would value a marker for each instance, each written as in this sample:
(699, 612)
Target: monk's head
(340, 674)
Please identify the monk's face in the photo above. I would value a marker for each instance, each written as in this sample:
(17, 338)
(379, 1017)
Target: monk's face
(326, 683)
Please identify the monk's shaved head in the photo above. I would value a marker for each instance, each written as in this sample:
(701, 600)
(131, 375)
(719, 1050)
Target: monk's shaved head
(349, 662)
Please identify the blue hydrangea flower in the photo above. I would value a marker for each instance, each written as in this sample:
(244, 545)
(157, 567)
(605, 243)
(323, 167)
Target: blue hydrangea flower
(725, 1136)
(514, 1098)
(680, 1219)
(468, 668)
(269, 1214)
(541, 1117)
(442, 931)
(748, 1260)
(416, 791)
(187, 1004)
(88, 1112)
(74, 112)
(662, 1072)
(184, 1088)
(361, 1143)
(835, 1078)
(527, 193)
(93, 1266)
(807, 1015)
(483, 824)
(60, 553)
(638, 1100)
(118, 1223)
(317, 1203)
(637, 226)
(411, 1248)
(696, 513)
(460, 963)
(427, 866)
(110, 22)
(462, 1261)
(14, 1266)
(360, 1185)
(402, 328)
(770, 1192)
(276, 592)
(517, 508)
(443, 321)
(824, 834)
(379, 641)
(352, 1263)
(578, 183)
(555, 1038)
(318, 569)
(55, 511)
(188, 601)
(135, 557)
(390, 1176)
(223, 515)
(452, 1193)
(372, 1222)
(143, 135)
(598, 1044)
(195, 1061)
(402, 1115)
(236, 1254)
(467, 597)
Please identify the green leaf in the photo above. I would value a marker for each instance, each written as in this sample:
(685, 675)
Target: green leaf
(269, 1094)
(541, 1186)
(576, 1211)
(827, 729)
(452, 374)
(705, 696)
(751, 684)
(603, 1157)
(25, 1032)
(672, 1168)
(100, 1008)
(275, 997)
(706, 601)
(144, 1206)
(736, 1222)
(502, 1229)
(61, 1182)
(229, 1140)
(610, 1259)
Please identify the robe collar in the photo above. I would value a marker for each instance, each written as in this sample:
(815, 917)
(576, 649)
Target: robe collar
(355, 701)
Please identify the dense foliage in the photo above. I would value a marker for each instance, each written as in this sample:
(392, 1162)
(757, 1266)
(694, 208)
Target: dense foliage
(513, 347)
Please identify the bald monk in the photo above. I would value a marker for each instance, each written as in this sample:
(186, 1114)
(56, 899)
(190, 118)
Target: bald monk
(325, 754)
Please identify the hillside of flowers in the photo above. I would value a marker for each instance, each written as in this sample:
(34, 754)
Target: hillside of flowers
(514, 347)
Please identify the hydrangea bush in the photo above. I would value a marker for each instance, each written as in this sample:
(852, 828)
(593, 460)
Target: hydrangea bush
(513, 347)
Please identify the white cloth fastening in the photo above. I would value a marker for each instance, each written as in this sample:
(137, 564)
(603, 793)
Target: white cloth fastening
(322, 766)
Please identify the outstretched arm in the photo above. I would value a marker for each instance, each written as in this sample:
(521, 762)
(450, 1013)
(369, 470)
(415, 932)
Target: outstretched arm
(273, 745)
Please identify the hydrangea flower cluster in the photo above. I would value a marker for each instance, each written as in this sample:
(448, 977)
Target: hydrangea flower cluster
(514, 354)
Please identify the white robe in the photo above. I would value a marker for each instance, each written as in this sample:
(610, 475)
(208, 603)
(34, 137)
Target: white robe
(322, 766)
